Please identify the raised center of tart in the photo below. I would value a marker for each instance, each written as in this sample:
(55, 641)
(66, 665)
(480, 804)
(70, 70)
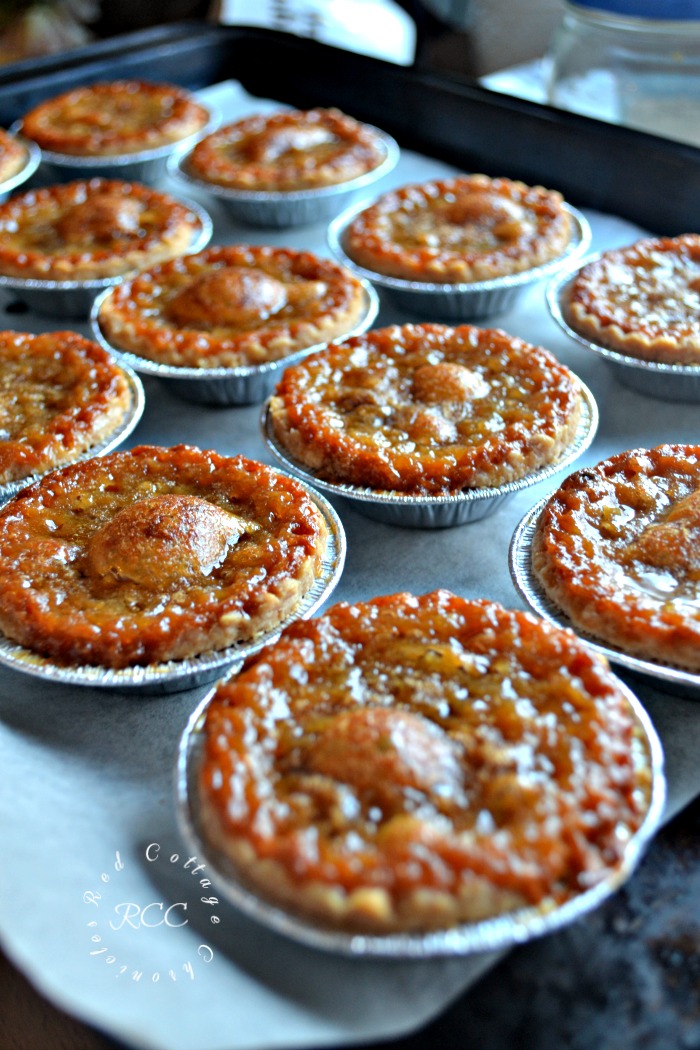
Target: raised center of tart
(162, 539)
(382, 752)
(672, 544)
(232, 295)
(102, 217)
(276, 143)
(490, 209)
(447, 381)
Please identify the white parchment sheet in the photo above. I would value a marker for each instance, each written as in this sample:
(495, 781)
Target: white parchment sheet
(86, 795)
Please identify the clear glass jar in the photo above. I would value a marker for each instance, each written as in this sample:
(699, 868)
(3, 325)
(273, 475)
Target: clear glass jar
(632, 62)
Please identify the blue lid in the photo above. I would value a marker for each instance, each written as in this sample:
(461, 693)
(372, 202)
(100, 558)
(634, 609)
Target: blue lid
(661, 10)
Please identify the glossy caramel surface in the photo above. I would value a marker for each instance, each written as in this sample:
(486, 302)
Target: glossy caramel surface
(91, 229)
(154, 554)
(234, 305)
(291, 150)
(59, 394)
(414, 749)
(617, 548)
(643, 300)
(426, 409)
(113, 118)
(13, 156)
(463, 229)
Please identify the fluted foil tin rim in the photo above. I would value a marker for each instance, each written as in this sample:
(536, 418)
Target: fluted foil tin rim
(448, 308)
(110, 442)
(177, 675)
(98, 284)
(178, 167)
(681, 381)
(441, 509)
(501, 932)
(101, 164)
(478, 290)
(531, 591)
(249, 376)
(32, 162)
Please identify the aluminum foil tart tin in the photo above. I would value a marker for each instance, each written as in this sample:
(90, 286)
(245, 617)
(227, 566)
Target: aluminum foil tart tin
(438, 512)
(33, 159)
(458, 302)
(174, 676)
(243, 385)
(144, 166)
(504, 931)
(288, 208)
(665, 677)
(667, 382)
(108, 444)
(75, 298)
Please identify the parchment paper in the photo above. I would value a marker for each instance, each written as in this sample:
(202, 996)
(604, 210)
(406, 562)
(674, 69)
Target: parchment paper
(86, 797)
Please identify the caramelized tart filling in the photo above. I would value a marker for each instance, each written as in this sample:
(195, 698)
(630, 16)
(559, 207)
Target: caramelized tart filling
(292, 150)
(13, 156)
(413, 762)
(232, 306)
(60, 394)
(426, 409)
(616, 548)
(155, 554)
(91, 229)
(643, 300)
(113, 118)
(459, 230)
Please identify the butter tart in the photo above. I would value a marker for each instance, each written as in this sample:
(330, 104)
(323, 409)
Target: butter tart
(426, 409)
(92, 229)
(288, 151)
(116, 117)
(232, 306)
(13, 156)
(459, 230)
(155, 554)
(642, 300)
(409, 763)
(60, 394)
(617, 547)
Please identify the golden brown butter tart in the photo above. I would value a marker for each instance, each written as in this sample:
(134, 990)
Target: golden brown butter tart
(642, 300)
(459, 230)
(155, 554)
(91, 229)
(60, 394)
(231, 306)
(426, 409)
(288, 151)
(409, 763)
(617, 548)
(13, 156)
(113, 118)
